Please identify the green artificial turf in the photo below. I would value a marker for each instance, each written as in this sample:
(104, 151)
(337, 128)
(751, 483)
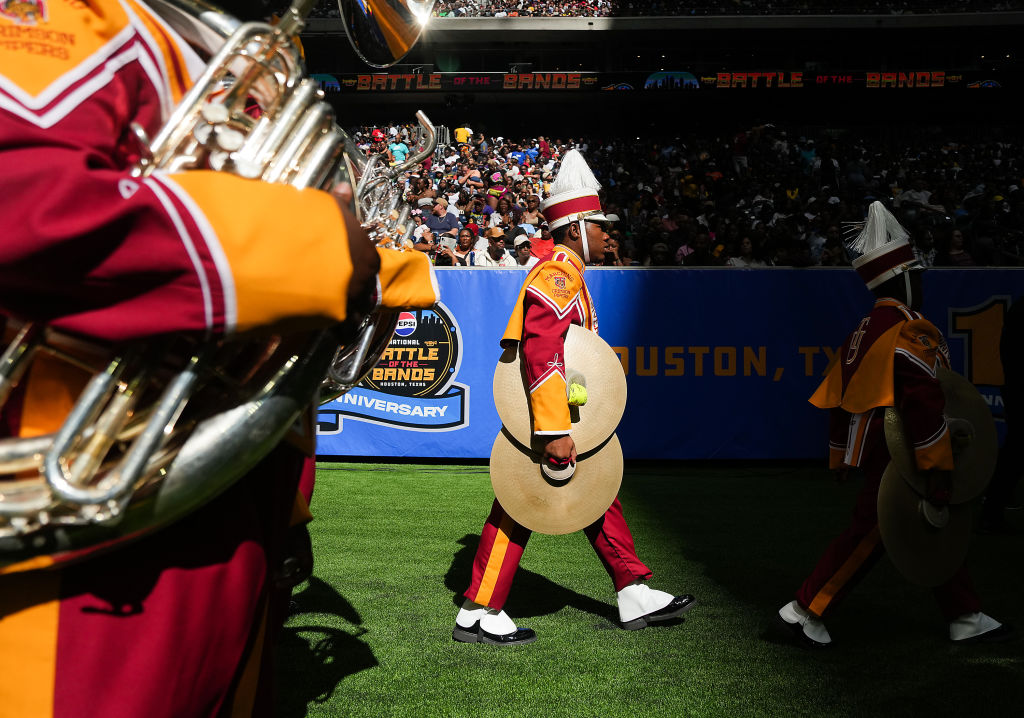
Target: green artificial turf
(370, 633)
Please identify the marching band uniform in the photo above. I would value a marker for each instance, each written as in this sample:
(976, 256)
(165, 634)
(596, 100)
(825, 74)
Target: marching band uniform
(553, 296)
(889, 360)
(178, 623)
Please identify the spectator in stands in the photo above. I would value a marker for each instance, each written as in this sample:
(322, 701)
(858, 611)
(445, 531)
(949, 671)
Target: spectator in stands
(543, 242)
(745, 256)
(522, 251)
(495, 256)
(956, 254)
(702, 254)
(399, 151)
(379, 145)
(666, 189)
(496, 188)
(469, 177)
(426, 243)
(505, 216)
(924, 247)
(420, 189)
(543, 149)
(612, 256)
(833, 254)
(532, 214)
(659, 256)
(465, 246)
(440, 220)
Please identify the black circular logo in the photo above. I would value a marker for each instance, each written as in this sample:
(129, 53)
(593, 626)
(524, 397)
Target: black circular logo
(423, 357)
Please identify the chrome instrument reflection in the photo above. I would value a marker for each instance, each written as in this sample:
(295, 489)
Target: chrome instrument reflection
(383, 31)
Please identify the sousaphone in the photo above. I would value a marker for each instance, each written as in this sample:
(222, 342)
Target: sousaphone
(161, 429)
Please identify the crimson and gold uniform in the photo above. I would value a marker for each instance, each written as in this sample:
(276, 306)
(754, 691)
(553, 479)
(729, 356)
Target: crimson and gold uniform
(176, 624)
(553, 296)
(890, 360)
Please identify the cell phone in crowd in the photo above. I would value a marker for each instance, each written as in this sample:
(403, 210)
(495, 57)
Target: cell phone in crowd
(448, 242)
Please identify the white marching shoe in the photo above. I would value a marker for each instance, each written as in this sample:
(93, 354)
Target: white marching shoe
(476, 623)
(809, 630)
(978, 628)
(641, 605)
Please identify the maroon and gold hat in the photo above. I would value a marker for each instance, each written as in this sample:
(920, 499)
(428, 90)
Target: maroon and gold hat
(884, 247)
(573, 194)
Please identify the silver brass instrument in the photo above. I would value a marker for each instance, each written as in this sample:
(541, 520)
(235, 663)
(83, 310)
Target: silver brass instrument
(160, 430)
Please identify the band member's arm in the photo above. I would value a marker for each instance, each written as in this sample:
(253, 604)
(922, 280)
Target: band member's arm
(407, 280)
(89, 248)
(194, 251)
(544, 327)
(918, 395)
(838, 436)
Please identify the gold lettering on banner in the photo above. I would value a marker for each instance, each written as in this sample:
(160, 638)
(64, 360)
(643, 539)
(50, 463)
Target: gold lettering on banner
(810, 355)
(398, 82)
(703, 360)
(876, 80)
(752, 80)
(980, 328)
(542, 81)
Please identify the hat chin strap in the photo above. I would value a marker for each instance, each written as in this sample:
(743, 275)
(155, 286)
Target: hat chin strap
(583, 240)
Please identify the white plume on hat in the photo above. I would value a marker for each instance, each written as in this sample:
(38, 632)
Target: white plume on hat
(884, 248)
(880, 228)
(574, 174)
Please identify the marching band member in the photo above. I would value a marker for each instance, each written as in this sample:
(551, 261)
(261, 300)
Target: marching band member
(890, 360)
(554, 295)
(181, 622)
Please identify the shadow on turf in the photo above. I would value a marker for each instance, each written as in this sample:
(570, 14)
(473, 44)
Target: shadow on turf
(314, 658)
(533, 595)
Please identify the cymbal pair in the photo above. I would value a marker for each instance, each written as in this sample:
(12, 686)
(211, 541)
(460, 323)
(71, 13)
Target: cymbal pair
(540, 500)
(928, 544)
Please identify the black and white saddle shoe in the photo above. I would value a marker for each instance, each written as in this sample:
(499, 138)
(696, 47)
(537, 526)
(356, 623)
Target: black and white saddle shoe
(475, 634)
(804, 627)
(675, 608)
(979, 628)
(640, 605)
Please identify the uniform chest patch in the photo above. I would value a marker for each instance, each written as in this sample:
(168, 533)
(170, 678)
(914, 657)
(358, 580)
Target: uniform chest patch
(24, 12)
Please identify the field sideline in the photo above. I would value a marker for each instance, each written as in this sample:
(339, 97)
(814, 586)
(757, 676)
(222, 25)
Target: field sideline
(370, 634)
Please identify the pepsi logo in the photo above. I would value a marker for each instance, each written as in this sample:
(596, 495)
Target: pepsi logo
(406, 324)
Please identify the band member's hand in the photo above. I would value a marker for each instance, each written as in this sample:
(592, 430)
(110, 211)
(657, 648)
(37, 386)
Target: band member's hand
(560, 450)
(939, 487)
(365, 262)
(843, 473)
(344, 193)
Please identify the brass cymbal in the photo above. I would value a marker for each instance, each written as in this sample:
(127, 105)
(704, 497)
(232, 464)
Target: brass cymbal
(972, 432)
(586, 355)
(552, 507)
(924, 554)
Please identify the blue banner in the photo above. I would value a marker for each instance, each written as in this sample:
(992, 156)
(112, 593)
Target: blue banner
(719, 363)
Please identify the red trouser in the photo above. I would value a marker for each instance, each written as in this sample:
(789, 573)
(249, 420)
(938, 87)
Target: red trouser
(848, 558)
(503, 541)
(182, 622)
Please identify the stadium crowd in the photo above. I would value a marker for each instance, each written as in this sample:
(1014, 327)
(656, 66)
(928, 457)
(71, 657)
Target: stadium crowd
(648, 8)
(755, 196)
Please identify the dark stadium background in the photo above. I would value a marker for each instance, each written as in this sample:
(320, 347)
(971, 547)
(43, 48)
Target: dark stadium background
(967, 47)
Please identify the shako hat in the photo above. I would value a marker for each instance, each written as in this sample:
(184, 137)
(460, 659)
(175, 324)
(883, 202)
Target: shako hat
(884, 249)
(573, 194)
